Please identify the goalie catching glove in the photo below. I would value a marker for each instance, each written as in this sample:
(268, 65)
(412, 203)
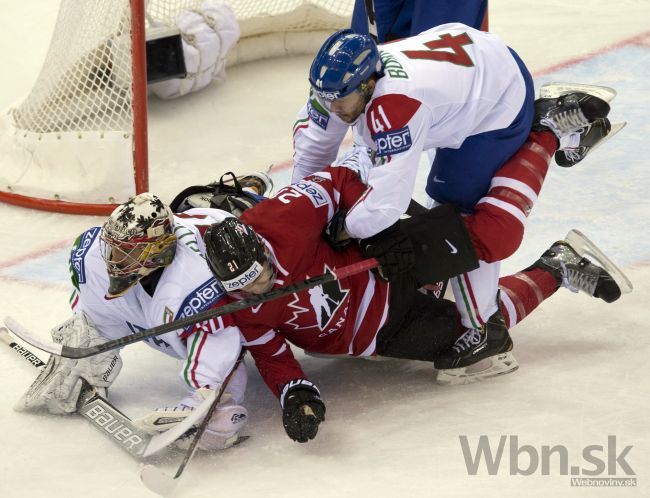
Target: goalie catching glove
(222, 431)
(58, 387)
(302, 410)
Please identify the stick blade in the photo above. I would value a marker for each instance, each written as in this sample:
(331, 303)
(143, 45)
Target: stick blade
(157, 481)
(21, 332)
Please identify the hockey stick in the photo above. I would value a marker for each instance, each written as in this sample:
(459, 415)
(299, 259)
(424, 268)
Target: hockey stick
(22, 351)
(372, 20)
(161, 483)
(72, 352)
(112, 422)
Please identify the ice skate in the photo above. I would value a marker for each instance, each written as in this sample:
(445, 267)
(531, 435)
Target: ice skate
(568, 114)
(478, 354)
(594, 102)
(594, 136)
(566, 261)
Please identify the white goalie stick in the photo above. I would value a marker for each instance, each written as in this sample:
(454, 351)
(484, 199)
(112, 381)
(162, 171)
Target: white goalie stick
(161, 483)
(71, 352)
(112, 422)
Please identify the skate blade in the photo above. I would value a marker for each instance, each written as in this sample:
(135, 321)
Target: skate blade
(347, 356)
(586, 248)
(555, 89)
(616, 127)
(500, 364)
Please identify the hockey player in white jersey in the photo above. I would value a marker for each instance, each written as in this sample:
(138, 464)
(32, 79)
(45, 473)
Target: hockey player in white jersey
(452, 90)
(145, 267)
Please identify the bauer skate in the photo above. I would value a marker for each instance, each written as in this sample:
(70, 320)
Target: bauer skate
(478, 354)
(575, 146)
(567, 261)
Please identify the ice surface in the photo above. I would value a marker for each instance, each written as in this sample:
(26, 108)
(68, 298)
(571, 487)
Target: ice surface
(390, 430)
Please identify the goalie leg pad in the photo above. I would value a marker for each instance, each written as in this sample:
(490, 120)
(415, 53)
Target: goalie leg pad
(222, 430)
(58, 387)
(224, 427)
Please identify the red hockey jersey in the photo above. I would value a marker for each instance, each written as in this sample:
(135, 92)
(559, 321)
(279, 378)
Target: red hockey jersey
(339, 317)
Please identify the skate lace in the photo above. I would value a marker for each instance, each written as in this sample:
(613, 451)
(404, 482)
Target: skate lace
(570, 119)
(470, 338)
(573, 154)
(576, 280)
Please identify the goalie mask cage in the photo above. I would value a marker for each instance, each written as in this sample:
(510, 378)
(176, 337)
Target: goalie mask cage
(78, 142)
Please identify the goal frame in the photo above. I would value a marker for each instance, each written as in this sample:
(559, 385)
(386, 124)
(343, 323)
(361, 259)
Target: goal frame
(139, 134)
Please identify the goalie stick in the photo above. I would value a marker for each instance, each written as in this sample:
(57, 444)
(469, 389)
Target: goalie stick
(72, 352)
(161, 483)
(112, 422)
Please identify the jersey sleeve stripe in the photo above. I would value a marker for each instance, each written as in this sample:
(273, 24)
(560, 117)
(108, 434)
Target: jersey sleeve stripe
(282, 349)
(191, 364)
(267, 337)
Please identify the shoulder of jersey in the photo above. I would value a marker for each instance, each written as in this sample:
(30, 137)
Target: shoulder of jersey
(387, 119)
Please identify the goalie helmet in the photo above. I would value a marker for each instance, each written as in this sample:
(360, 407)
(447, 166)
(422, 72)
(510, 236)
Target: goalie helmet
(137, 239)
(343, 63)
(235, 254)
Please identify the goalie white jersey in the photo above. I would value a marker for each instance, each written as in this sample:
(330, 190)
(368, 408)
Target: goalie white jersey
(439, 88)
(185, 288)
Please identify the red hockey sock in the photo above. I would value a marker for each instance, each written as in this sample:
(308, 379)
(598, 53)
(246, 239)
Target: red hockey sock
(522, 292)
(496, 227)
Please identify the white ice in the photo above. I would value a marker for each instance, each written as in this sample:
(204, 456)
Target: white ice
(390, 429)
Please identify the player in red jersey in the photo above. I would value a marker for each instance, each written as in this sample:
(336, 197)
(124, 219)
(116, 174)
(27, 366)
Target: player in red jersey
(279, 242)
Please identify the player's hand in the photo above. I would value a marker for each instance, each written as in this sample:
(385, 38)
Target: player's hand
(302, 413)
(393, 249)
(334, 232)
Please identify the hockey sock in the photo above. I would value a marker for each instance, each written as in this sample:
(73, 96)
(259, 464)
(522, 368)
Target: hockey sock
(496, 227)
(522, 292)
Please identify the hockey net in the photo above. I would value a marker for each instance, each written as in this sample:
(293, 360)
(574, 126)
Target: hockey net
(77, 142)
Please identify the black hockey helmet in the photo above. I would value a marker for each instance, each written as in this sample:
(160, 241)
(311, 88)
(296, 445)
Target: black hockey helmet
(235, 253)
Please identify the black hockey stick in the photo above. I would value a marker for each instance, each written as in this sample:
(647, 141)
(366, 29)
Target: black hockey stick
(109, 420)
(372, 20)
(161, 483)
(72, 352)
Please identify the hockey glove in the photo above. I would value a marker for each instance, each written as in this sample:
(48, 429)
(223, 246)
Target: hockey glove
(393, 249)
(302, 410)
(334, 232)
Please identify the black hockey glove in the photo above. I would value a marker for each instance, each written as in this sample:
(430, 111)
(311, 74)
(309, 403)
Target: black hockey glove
(334, 232)
(393, 249)
(302, 411)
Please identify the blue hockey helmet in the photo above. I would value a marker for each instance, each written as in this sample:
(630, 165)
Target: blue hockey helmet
(344, 62)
